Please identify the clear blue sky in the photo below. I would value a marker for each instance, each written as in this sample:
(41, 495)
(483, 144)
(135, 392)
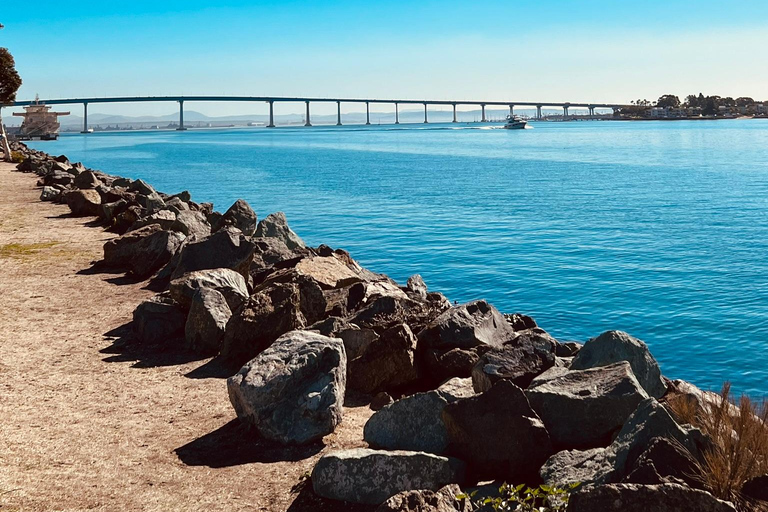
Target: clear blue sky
(586, 50)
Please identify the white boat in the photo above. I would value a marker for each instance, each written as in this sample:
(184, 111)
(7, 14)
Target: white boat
(515, 123)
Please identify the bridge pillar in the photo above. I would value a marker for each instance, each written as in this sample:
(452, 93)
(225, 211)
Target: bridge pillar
(482, 120)
(538, 112)
(181, 116)
(397, 115)
(271, 114)
(307, 123)
(367, 113)
(511, 110)
(425, 114)
(565, 112)
(85, 118)
(338, 113)
(454, 112)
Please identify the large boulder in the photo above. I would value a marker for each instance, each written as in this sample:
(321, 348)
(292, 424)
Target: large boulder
(519, 362)
(498, 434)
(642, 498)
(273, 310)
(227, 248)
(443, 500)
(370, 476)
(615, 346)
(144, 251)
(224, 280)
(293, 392)
(584, 409)
(164, 218)
(664, 461)
(387, 363)
(276, 226)
(329, 271)
(467, 326)
(86, 179)
(207, 321)
(84, 203)
(191, 223)
(272, 253)
(158, 320)
(241, 216)
(49, 194)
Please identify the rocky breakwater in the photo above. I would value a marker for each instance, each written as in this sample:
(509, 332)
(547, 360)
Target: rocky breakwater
(465, 394)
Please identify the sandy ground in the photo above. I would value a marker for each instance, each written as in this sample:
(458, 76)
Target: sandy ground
(89, 423)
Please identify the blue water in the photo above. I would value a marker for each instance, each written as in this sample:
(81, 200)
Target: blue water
(656, 228)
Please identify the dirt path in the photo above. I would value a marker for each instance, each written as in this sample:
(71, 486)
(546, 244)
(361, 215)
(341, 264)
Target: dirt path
(85, 425)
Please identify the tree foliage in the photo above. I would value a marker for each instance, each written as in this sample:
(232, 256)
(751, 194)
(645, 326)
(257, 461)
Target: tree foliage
(10, 81)
(668, 100)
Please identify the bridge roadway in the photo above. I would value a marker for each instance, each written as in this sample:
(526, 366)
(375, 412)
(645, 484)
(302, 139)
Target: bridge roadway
(271, 100)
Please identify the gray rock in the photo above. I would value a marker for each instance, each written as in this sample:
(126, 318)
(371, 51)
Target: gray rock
(443, 500)
(293, 392)
(553, 373)
(663, 461)
(455, 388)
(385, 364)
(206, 321)
(519, 364)
(49, 194)
(164, 218)
(614, 346)
(578, 467)
(584, 409)
(369, 476)
(227, 248)
(86, 179)
(330, 271)
(84, 203)
(191, 223)
(110, 210)
(241, 216)
(143, 251)
(158, 320)
(268, 253)
(441, 365)
(276, 226)
(513, 453)
(417, 286)
(356, 340)
(224, 280)
(642, 498)
(142, 187)
(467, 326)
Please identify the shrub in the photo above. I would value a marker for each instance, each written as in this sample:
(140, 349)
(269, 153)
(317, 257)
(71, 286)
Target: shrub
(521, 498)
(17, 157)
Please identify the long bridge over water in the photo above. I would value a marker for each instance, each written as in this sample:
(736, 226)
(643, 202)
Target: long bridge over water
(271, 100)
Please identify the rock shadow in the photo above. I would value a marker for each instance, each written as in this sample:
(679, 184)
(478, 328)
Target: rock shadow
(234, 444)
(213, 369)
(307, 501)
(126, 348)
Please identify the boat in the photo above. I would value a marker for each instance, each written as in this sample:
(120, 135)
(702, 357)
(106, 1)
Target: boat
(515, 123)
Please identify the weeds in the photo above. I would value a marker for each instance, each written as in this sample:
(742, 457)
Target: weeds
(22, 250)
(521, 498)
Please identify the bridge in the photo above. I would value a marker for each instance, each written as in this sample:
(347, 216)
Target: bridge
(271, 100)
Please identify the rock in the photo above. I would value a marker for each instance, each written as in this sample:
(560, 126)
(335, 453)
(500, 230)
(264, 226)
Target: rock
(126, 218)
(328, 271)
(553, 373)
(271, 253)
(386, 363)
(442, 365)
(110, 210)
(84, 203)
(142, 252)
(444, 500)
(272, 310)
(49, 194)
(642, 498)
(584, 409)
(513, 453)
(417, 286)
(356, 340)
(614, 346)
(578, 467)
(224, 280)
(756, 488)
(293, 392)
(87, 179)
(518, 364)
(191, 224)
(142, 187)
(456, 388)
(207, 321)
(152, 202)
(158, 320)
(241, 216)
(380, 401)
(276, 226)
(370, 476)
(664, 462)
(412, 423)
(567, 349)
(520, 322)
(311, 298)
(163, 218)
(468, 326)
(227, 248)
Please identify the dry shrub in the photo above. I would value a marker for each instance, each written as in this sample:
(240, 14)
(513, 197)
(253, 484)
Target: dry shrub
(739, 441)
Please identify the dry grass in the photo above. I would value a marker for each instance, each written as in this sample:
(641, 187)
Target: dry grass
(20, 251)
(739, 449)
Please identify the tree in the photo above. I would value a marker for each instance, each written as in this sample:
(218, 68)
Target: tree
(10, 81)
(668, 100)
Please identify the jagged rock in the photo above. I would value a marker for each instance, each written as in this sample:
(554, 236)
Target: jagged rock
(553, 373)
(191, 224)
(518, 363)
(86, 180)
(456, 388)
(110, 210)
(142, 252)
(441, 365)
(664, 462)
(312, 300)
(152, 202)
(163, 218)
(578, 467)
(227, 248)
(49, 194)
(467, 326)
(273, 310)
(444, 500)
(207, 321)
(756, 488)
(142, 187)
(614, 346)
(276, 226)
(642, 498)
(567, 349)
(583, 409)
(293, 392)
(83, 202)
(158, 320)
(329, 271)
(239, 215)
(417, 286)
(356, 340)
(271, 253)
(370, 476)
(513, 453)
(126, 218)
(380, 401)
(520, 322)
(386, 363)
(224, 280)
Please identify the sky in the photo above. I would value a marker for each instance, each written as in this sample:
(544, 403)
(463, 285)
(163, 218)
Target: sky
(512, 50)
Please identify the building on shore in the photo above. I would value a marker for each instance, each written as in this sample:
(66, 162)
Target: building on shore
(39, 122)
